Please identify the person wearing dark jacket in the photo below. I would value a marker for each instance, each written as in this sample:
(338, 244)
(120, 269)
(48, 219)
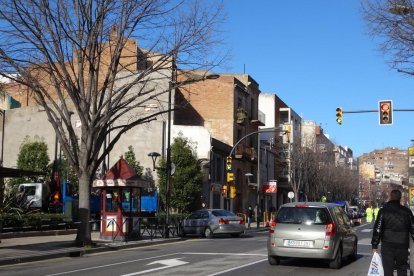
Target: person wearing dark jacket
(393, 227)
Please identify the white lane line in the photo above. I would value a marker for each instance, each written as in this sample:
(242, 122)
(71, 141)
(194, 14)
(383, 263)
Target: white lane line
(235, 268)
(366, 230)
(229, 254)
(108, 265)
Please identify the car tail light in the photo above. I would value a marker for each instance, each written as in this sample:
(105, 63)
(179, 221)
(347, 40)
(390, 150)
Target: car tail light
(241, 221)
(272, 227)
(301, 206)
(330, 229)
(223, 221)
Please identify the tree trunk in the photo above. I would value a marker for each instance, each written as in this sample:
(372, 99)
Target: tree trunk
(83, 237)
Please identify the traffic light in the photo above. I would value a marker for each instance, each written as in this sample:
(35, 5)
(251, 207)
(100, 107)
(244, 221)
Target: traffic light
(228, 163)
(224, 191)
(385, 112)
(230, 177)
(232, 192)
(339, 115)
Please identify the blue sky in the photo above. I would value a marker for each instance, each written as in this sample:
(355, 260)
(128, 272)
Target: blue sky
(316, 56)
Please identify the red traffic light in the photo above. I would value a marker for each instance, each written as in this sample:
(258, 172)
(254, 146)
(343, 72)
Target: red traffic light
(385, 112)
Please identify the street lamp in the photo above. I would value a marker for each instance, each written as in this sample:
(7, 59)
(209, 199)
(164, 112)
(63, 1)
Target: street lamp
(256, 213)
(154, 156)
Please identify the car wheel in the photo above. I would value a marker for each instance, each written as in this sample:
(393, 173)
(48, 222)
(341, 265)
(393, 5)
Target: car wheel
(208, 233)
(273, 260)
(354, 255)
(337, 262)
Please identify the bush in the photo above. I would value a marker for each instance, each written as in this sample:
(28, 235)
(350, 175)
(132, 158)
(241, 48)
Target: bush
(35, 221)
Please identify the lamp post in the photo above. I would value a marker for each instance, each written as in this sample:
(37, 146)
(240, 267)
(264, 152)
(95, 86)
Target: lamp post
(154, 156)
(3, 113)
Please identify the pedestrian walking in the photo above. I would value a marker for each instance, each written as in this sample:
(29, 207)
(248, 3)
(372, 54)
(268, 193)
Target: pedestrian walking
(393, 228)
(249, 215)
(369, 213)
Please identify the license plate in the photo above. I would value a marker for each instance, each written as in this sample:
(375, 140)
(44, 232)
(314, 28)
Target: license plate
(294, 243)
(233, 221)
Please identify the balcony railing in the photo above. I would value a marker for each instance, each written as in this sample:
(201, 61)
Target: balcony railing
(244, 151)
(241, 115)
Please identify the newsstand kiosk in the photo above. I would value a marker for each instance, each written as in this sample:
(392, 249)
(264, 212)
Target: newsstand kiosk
(121, 191)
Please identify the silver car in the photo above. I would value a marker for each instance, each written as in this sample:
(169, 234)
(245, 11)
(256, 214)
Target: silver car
(209, 222)
(312, 230)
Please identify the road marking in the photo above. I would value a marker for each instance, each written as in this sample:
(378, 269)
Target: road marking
(366, 230)
(230, 254)
(166, 264)
(108, 265)
(235, 268)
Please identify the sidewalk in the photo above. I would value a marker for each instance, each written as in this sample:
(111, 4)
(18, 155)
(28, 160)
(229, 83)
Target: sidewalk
(61, 244)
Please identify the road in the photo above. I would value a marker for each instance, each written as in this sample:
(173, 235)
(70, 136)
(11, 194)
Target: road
(196, 256)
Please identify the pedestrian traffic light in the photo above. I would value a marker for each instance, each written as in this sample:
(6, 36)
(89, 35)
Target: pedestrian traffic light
(230, 177)
(228, 163)
(385, 112)
(339, 115)
(232, 192)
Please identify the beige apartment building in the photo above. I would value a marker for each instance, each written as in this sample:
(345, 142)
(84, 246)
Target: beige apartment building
(381, 171)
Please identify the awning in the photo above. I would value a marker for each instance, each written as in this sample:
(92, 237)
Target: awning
(9, 172)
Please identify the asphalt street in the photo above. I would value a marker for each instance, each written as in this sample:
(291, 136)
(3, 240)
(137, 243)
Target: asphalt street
(196, 256)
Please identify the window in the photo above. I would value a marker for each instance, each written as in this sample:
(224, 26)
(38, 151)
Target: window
(299, 215)
(222, 213)
(112, 201)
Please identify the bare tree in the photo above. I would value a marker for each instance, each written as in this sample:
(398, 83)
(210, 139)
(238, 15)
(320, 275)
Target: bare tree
(393, 22)
(82, 57)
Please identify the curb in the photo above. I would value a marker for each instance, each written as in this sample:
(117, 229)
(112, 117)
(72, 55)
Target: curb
(78, 252)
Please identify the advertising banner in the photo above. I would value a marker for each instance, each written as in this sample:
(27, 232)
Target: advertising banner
(270, 187)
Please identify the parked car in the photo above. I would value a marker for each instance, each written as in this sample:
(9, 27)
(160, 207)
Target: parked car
(209, 222)
(312, 230)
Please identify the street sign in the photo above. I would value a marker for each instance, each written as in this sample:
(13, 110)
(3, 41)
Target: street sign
(291, 195)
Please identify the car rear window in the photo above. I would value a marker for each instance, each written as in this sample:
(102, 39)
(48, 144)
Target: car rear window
(222, 213)
(298, 215)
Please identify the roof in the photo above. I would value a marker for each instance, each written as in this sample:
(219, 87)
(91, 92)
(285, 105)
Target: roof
(123, 175)
(311, 204)
(10, 172)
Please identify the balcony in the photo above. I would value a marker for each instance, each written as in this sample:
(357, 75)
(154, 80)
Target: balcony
(261, 119)
(241, 115)
(244, 151)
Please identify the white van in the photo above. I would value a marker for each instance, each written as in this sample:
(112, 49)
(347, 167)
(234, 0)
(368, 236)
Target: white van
(36, 194)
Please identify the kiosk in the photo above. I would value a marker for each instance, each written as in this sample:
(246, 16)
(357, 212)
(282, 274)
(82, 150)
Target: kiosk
(121, 191)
